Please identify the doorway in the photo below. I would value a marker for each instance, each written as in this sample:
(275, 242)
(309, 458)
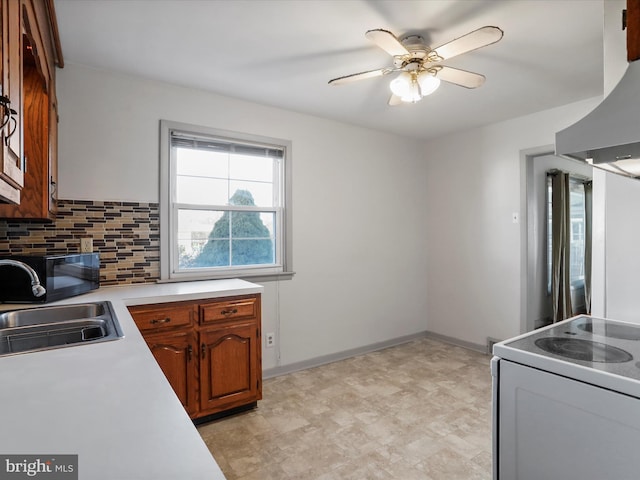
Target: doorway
(537, 309)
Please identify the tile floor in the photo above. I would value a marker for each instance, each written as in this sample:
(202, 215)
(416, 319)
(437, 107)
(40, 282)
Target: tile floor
(421, 410)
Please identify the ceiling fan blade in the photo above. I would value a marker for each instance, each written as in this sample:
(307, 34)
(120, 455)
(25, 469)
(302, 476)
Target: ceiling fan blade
(360, 76)
(395, 100)
(460, 77)
(387, 41)
(471, 41)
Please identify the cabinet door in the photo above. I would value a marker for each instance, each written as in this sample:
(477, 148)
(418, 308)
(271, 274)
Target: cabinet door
(34, 202)
(11, 166)
(176, 355)
(230, 362)
(37, 116)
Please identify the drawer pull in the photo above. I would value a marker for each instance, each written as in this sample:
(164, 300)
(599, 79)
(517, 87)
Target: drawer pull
(203, 350)
(189, 353)
(160, 320)
(229, 312)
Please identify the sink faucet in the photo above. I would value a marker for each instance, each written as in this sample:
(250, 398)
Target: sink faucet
(37, 289)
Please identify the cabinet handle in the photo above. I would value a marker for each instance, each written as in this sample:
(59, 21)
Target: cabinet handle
(160, 320)
(8, 115)
(189, 353)
(15, 125)
(6, 111)
(229, 312)
(203, 349)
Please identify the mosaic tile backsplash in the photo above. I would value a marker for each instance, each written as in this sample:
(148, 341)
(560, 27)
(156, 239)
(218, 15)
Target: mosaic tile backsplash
(125, 234)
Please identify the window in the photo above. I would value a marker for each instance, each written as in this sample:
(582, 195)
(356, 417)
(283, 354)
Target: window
(577, 238)
(224, 204)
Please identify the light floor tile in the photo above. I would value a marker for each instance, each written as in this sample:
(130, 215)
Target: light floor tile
(421, 410)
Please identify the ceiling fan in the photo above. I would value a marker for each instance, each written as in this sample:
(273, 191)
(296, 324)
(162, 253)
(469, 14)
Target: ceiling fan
(419, 65)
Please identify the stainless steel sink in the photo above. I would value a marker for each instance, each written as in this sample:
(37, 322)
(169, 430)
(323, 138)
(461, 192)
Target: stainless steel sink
(45, 328)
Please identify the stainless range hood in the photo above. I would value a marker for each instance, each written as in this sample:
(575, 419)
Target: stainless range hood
(609, 136)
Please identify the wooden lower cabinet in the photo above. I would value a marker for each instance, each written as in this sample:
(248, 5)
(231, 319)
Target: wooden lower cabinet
(230, 373)
(176, 354)
(214, 364)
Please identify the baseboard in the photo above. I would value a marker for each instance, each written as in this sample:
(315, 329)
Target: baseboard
(336, 357)
(457, 342)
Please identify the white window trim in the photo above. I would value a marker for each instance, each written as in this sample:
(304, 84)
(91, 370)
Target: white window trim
(168, 248)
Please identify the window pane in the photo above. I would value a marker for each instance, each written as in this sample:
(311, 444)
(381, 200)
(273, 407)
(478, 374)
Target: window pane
(576, 232)
(244, 167)
(219, 239)
(194, 227)
(212, 178)
(261, 193)
(202, 163)
(577, 218)
(202, 191)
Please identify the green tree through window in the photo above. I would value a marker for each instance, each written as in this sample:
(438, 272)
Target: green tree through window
(238, 238)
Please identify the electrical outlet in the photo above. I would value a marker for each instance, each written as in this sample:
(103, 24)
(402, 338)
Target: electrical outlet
(270, 339)
(86, 245)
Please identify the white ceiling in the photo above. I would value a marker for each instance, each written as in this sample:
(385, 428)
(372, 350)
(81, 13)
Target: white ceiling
(283, 52)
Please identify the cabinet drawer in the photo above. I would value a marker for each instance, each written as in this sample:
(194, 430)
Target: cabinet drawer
(229, 309)
(162, 317)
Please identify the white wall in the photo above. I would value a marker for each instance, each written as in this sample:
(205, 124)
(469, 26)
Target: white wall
(474, 257)
(391, 236)
(359, 195)
(474, 187)
(622, 241)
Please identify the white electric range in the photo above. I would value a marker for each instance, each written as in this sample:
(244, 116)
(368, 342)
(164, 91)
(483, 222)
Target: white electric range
(566, 402)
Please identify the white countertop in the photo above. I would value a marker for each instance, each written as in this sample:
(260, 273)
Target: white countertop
(109, 402)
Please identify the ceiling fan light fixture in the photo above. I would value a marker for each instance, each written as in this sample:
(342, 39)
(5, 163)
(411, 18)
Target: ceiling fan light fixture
(406, 87)
(413, 96)
(401, 85)
(429, 83)
(412, 86)
(419, 66)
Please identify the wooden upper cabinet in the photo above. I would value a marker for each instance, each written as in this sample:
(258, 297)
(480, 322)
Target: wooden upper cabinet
(11, 155)
(633, 30)
(30, 54)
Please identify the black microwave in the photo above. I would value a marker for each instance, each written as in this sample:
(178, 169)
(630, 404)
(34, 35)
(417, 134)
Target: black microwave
(62, 276)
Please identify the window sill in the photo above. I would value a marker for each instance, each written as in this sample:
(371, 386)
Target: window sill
(271, 277)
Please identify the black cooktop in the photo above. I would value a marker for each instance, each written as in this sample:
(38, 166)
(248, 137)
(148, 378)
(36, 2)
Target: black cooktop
(609, 329)
(586, 350)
